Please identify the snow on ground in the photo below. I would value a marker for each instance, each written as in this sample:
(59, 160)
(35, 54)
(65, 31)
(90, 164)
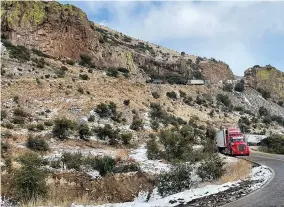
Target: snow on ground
(58, 151)
(261, 173)
(150, 166)
(246, 100)
(228, 159)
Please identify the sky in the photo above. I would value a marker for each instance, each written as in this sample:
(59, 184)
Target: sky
(240, 33)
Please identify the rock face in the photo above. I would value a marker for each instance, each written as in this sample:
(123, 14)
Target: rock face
(64, 31)
(268, 78)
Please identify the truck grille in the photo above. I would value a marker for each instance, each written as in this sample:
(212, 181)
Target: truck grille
(242, 147)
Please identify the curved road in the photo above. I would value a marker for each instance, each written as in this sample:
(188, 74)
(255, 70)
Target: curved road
(272, 194)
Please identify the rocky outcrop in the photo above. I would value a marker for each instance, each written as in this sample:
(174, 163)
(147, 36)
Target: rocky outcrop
(268, 78)
(65, 31)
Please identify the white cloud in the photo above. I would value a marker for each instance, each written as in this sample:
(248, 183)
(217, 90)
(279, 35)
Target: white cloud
(225, 30)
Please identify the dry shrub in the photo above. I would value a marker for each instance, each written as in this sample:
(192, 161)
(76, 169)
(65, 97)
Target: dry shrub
(236, 171)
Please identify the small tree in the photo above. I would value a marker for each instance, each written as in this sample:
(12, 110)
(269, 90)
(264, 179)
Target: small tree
(174, 181)
(29, 180)
(263, 111)
(228, 87)
(211, 168)
(137, 123)
(126, 138)
(84, 131)
(86, 60)
(172, 95)
(104, 165)
(37, 143)
(63, 127)
(240, 86)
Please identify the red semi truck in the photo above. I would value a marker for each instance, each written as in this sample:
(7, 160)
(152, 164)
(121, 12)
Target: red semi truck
(231, 141)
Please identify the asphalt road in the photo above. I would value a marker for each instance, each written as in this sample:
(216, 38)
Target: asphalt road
(272, 194)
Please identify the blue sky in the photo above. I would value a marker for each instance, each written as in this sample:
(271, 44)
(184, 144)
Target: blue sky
(239, 33)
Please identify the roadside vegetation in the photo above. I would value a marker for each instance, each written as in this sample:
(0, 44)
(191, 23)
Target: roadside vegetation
(273, 144)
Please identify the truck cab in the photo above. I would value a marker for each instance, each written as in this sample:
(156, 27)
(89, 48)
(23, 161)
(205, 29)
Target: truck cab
(237, 144)
(232, 141)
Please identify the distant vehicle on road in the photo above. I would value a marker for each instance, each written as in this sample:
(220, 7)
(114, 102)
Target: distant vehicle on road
(231, 141)
(156, 81)
(195, 82)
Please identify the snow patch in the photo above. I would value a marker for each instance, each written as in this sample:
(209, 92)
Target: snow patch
(150, 166)
(261, 173)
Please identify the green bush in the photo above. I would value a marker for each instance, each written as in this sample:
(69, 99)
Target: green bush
(112, 72)
(263, 111)
(132, 167)
(278, 119)
(172, 95)
(40, 63)
(228, 87)
(155, 95)
(106, 110)
(176, 180)
(72, 160)
(155, 125)
(19, 52)
(265, 93)
(40, 53)
(37, 143)
(240, 86)
(188, 100)
(104, 165)
(70, 62)
(177, 143)
(211, 168)
(60, 73)
(85, 60)
(137, 123)
(48, 123)
(239, 108)
(20, 112)
(35, 127)
(244, 121)
(153, 151)
(158, 114)
(91, 118)
(18, 120)
(182, 94)
(273, 144)
(108, 133)
(3, 114)
(267, 119)
(126, 138)
(81, 90)
(84, 76)
(123, 70)
(63, 127)
(224, 99)
(29, 180)
(84, 131)
(210, 132)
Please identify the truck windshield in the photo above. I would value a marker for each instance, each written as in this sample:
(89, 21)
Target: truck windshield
(237, 140)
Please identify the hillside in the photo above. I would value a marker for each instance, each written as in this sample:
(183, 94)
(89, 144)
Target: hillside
(267, 78)
(63, 31)
(80, 118)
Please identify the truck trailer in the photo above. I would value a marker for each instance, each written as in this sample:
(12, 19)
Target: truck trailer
(232, 141)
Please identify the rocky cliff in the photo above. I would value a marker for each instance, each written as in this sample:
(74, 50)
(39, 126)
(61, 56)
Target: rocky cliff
(64, 31)
(268, 78)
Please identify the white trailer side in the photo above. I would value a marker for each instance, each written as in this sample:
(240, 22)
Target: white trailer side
(221, 138)
(196, 82)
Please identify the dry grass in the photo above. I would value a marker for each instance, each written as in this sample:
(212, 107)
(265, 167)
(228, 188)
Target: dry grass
(236, 171)
(122, 154)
